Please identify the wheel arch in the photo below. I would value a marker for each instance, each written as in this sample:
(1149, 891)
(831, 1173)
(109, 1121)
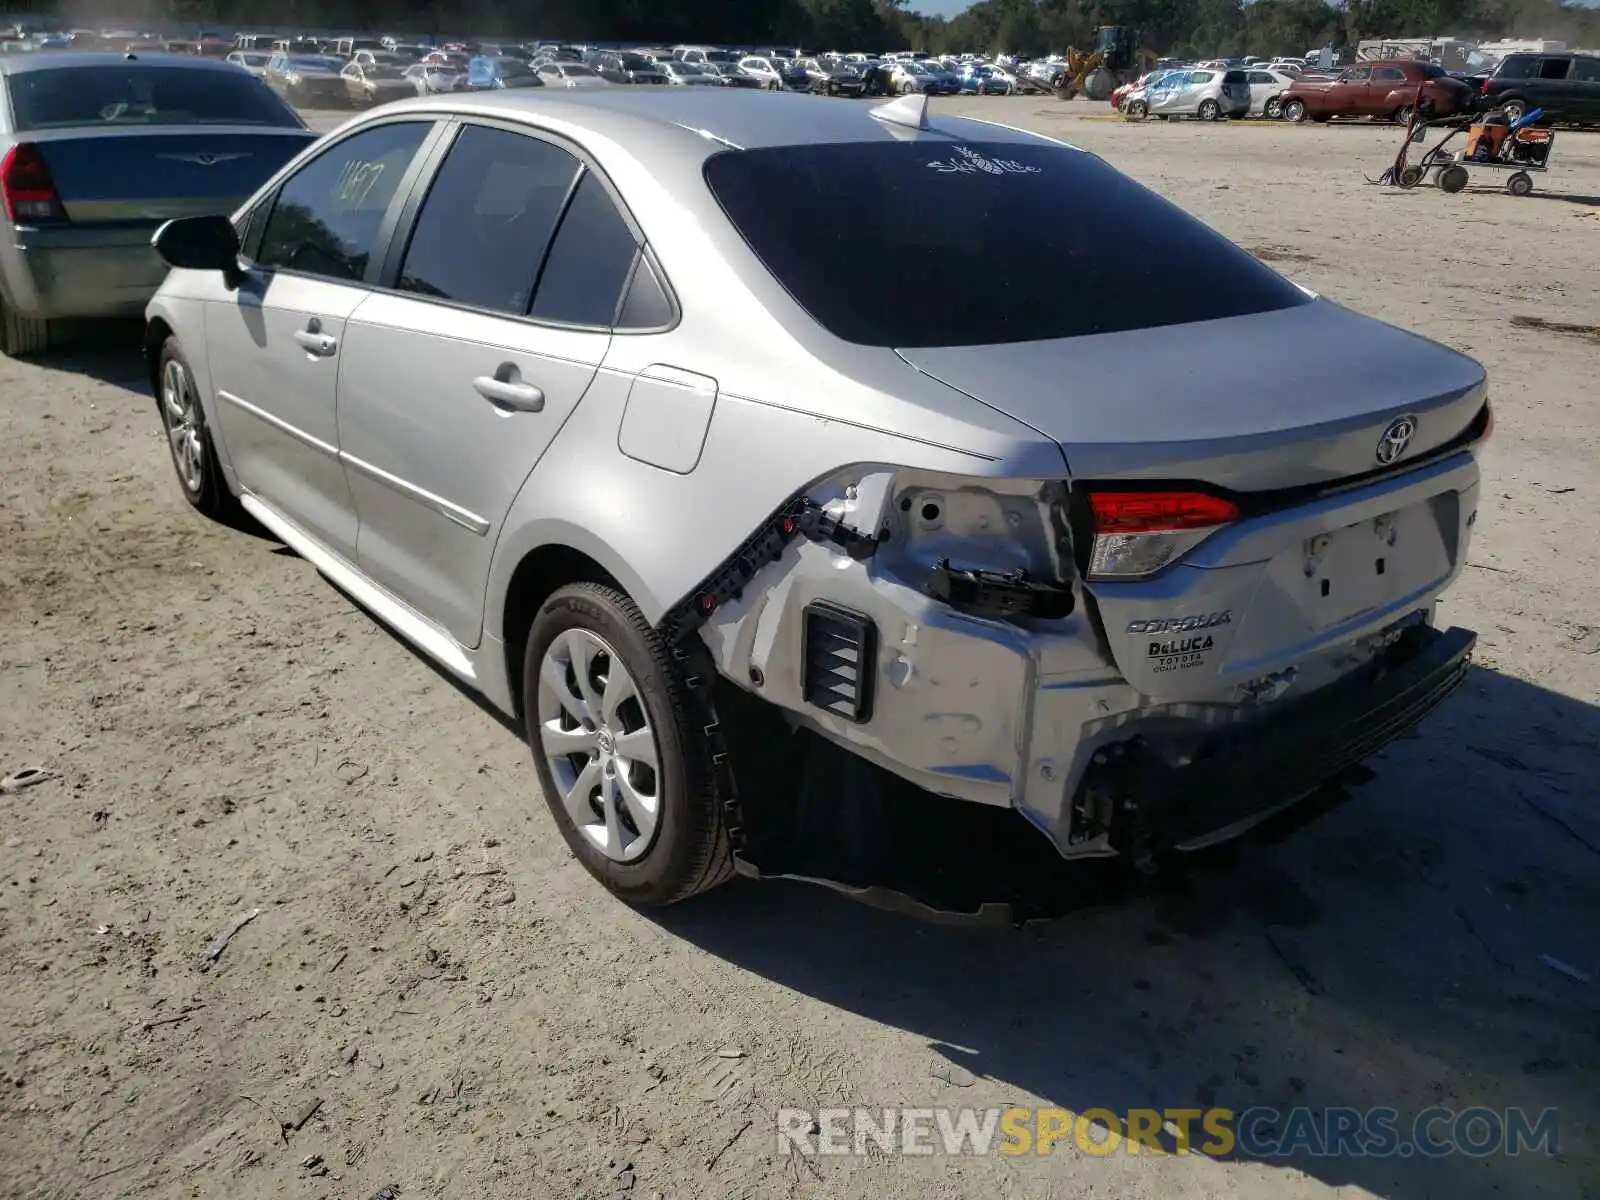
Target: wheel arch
(538, 573)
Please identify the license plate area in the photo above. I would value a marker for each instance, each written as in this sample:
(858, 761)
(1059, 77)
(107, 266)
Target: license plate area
(1375, 563)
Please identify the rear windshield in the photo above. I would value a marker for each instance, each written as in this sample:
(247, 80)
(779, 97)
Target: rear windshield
(1063, 244)
(118, 95)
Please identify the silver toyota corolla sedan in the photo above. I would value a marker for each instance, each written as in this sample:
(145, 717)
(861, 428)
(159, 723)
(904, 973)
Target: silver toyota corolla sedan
(655, 420)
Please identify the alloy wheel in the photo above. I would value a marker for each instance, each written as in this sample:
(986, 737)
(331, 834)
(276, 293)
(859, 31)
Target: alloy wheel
(596, 738)
(179, 407)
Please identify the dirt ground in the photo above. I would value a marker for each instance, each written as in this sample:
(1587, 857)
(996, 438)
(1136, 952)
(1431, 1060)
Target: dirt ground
(445, 1004)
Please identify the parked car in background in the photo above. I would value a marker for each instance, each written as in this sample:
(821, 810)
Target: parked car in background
(978, 79)
(831, 78)
(308, 80)
(377, 81)
(1208, 93)
(776, 73)
(95, 151)
(1565, 85)
(488, 72)
(566, 74)
(254, 61)
(1267, 86)
(692, 586)
(1385, 89)
(432, 79)
(684, 74)
(910, 77)
(629, 69)
(734, 76)
(1120, 95)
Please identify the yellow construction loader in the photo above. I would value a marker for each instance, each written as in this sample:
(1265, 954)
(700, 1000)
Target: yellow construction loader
(1117, 58)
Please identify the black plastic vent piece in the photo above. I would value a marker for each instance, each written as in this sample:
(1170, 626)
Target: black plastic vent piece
(841, 654)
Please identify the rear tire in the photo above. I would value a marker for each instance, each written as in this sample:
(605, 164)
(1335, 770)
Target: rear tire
(20, 336)
(1515, 110)
(1295, 111)
(1453, 178)
(686, 849)
(1209, 110)
(194, 455)
(1273, 109)
(1402, 116)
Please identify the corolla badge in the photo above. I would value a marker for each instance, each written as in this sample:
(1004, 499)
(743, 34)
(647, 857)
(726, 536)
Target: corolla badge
(1395, 439)
(203, 160)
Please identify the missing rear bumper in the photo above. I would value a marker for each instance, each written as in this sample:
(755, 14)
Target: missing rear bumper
(1182, 790)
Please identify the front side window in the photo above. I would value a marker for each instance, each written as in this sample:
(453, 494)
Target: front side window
(1516, 67)
(328, 215)
(1358, 75)
(484, 228)
(1081, 249)
(132, 94)
(1388, 74)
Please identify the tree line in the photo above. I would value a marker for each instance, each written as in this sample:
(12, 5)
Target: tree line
(1204, 28)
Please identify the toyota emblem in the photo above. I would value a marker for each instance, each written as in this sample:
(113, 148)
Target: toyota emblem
(1395, 439)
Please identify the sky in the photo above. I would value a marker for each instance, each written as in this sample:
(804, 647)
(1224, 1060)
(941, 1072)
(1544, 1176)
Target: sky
(940, 8)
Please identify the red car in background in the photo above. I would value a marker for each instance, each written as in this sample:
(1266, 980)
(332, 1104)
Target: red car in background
(1118, 95)
(1377, 89)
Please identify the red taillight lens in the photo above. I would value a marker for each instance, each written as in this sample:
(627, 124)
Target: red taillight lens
(26, 187)
(1139, 533)
(1158, 512)
(1483, 88)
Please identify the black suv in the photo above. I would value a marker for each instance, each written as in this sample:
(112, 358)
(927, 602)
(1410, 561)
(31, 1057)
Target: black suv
(1565, 85)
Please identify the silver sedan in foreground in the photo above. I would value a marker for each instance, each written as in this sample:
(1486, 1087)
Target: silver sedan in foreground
(585, 395)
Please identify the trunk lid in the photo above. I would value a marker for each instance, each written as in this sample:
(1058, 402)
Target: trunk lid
(1271, 400)
(161, 173)
(1288, 596)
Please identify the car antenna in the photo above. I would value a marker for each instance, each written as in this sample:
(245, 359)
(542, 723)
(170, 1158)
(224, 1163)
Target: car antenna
(910, 111)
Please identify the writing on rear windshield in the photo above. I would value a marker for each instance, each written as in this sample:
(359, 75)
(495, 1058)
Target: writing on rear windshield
(967, 161)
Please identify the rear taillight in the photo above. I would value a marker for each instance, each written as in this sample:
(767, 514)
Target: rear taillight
(1138, 533)
(1483, 88)
(26, 187)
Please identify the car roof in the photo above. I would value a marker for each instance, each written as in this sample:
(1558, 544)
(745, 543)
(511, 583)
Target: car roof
(746, 119)
(58, 60)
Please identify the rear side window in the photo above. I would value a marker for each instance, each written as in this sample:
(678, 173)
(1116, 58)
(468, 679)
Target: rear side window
(1554, 68)
(1586, 70)
(1072, 247)
(1389, 74)
(328, 214)
(590, 261)
(1235, 77)
(1201, 76)
(118, 96)
(487, 221)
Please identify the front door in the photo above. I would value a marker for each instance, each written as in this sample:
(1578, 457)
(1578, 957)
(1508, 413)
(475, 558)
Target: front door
(1585, 83)
(1348, 94)
(275, 345)
(460, 373)
(1166, 93)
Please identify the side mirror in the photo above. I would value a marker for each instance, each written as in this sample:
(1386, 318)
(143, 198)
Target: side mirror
(200, 244)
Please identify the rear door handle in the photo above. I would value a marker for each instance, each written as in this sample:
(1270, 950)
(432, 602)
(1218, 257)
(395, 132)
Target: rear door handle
(505, 389)
(313, 342)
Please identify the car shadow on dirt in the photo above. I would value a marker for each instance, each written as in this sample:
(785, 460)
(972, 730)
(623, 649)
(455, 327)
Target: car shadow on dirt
(1434, 942)
(109, 351)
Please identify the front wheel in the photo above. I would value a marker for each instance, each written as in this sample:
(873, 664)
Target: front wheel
(1295, 111)
(194, 456)
(619, 745)
(1137, 110)
(1209, 110)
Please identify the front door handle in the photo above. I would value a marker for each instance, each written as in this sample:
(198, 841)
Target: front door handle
(313, 341)
(505, 389)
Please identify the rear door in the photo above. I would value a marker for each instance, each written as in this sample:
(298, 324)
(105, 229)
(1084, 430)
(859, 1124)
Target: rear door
(494, 317)
(1585, 81)
(1262, 88)
(1553, 89)
(274, 347)
(1190, 93)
